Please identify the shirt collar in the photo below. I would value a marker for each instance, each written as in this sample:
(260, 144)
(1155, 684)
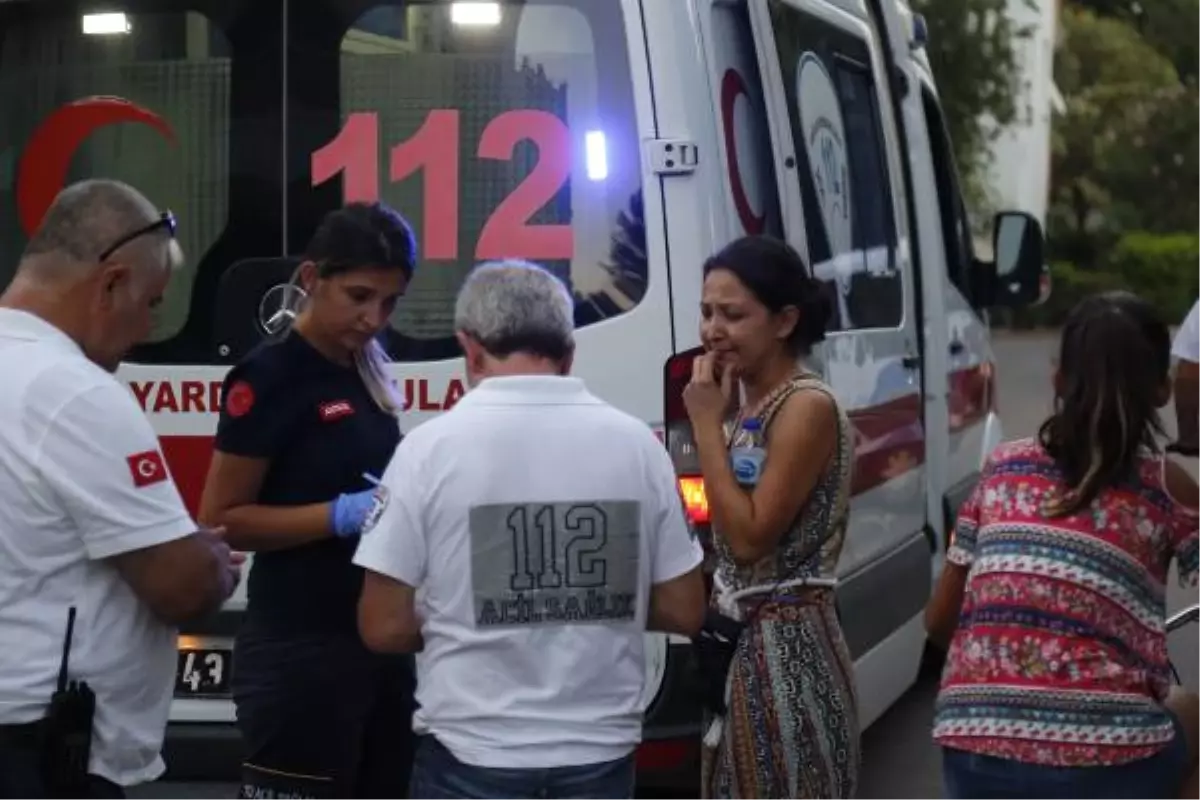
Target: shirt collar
(530, 390)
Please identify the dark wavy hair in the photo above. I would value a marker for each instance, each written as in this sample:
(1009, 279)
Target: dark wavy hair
(1114, 366)
(778, 277)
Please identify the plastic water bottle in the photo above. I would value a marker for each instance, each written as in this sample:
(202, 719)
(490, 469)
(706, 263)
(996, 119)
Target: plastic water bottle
(749, 456)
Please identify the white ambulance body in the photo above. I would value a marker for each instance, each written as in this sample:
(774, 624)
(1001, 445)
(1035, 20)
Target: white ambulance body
(618, 142)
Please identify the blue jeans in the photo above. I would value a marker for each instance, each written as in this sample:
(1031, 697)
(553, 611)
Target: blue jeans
(438, 774)
(972, 775)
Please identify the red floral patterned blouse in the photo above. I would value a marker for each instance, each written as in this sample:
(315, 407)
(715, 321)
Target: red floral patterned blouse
(1060, 655)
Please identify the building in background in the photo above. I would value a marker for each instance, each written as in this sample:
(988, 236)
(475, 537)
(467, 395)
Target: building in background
(1019, 174)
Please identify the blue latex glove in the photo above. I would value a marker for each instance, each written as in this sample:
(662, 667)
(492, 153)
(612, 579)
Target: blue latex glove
(349, 512)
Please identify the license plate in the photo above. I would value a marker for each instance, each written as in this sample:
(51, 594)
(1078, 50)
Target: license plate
(203, 672)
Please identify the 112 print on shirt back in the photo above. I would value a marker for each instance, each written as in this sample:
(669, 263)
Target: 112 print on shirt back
(550, 563)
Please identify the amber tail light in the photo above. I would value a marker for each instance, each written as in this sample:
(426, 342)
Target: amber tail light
(682, 447)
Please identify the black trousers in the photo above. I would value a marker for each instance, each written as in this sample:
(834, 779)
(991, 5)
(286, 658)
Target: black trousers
(321, 716)
(20, 767)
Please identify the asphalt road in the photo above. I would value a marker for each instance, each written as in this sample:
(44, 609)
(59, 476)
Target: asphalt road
(898, 758)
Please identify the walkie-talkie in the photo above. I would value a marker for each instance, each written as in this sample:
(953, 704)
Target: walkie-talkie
(67, 729)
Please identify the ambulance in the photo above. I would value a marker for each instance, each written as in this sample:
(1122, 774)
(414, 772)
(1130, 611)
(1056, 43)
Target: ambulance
(617, 142)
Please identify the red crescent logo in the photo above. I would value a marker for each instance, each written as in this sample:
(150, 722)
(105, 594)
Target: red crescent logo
(42, 170)
(732, 86)
(239, 400)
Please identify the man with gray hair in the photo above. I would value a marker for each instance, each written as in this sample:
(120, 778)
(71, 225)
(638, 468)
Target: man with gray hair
(92, 529)
(523, 544)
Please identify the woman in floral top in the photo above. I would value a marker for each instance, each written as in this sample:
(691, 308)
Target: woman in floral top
(1057, 682)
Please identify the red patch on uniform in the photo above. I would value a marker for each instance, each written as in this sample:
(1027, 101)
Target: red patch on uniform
(335, 409)
(239, 399)
(147, 468)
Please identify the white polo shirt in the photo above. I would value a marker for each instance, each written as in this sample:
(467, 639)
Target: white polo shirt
(1187, 338)
(81, 480)
(533, 518)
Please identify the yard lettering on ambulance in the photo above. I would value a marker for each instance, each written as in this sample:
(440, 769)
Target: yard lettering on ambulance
(555, 563)
(204, 397)
(418, 396)
(178, 397)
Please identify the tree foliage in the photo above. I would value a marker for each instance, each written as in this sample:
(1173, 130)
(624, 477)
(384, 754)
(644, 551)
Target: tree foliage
(1169, 26)
(1125, 175)
(974, 59)
(1113, 83)
(1125, 151)
(1125, 168)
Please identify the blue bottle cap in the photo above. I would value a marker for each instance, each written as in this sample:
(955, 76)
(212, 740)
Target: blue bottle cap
(752, 424)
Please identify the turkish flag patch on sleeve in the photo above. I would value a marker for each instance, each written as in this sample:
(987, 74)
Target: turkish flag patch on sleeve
(147, 468)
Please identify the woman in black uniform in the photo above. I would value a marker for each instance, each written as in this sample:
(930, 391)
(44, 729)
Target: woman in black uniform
(304, 422)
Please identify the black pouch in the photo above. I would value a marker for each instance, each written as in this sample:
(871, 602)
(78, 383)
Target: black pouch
(66, 741)
(65, 737)
(714, 648)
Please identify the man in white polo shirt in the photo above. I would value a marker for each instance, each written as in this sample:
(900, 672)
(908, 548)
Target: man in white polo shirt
(89, 517)
(527, 539)
(1186, 350)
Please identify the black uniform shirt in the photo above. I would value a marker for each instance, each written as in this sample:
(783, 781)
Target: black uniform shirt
(317, 424)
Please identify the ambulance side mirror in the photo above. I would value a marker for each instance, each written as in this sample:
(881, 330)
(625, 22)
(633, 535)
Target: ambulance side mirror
(1015, 277)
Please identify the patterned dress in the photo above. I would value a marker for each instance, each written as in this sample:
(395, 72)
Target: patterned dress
(791, 728)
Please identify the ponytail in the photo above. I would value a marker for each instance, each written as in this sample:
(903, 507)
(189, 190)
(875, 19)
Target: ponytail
(372, 363)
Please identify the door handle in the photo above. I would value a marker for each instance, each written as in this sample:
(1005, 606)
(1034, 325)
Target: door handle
(957, 348)
(911, 362)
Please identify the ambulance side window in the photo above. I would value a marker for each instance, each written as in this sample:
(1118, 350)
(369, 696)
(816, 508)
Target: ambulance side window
(147, 99)
(499, 130)
(956, 232)
(841, 165)
(183, 102)
(876, 298)
(750, 181)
